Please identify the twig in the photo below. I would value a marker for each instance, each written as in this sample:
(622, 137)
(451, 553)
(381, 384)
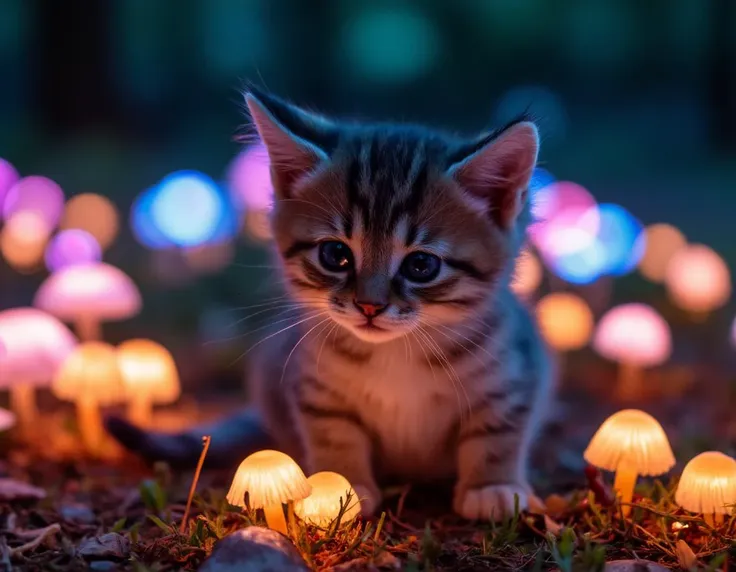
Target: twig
(42, 533)
(205, 447)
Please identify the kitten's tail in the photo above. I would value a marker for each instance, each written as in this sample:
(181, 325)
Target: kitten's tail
(233, 438)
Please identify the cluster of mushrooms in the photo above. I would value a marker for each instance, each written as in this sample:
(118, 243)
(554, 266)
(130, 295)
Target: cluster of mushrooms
(632, 443)
(40, 352)
(272, 479)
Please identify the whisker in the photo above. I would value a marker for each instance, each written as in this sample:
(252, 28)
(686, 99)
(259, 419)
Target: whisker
(296, 345)
(322, 345)
(238, 336)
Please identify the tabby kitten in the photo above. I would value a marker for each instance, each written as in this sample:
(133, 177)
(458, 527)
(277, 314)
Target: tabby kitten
(411, 357)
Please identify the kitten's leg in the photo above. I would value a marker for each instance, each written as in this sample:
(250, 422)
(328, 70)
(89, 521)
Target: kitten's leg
(493, 447)
(337, 441)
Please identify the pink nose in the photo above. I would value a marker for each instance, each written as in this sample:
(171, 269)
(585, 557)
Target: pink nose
(370, 309)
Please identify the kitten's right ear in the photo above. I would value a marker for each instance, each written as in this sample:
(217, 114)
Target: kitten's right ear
(289, 135)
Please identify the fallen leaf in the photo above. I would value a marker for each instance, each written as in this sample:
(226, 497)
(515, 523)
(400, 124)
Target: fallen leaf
(110, 545)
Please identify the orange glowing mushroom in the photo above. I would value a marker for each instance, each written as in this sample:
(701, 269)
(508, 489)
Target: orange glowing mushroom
(90, 377)
(635, 336)
(92, 213)
(271, 479)
(708, 486)
(329, 493)
(663, 241)
(698, 279)
(630, 443)
(565, 320)
(23, 240)
(150, 377)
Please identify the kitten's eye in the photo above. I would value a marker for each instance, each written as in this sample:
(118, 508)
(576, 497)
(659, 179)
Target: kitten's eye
(420, 267)
(335, 256)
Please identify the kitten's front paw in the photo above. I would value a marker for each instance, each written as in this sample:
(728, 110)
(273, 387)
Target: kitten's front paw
(370, 498)
(494, 502)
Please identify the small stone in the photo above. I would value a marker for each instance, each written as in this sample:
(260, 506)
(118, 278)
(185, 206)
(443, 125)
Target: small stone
(104, 565)
(77, 512)
(634, 566)
(255, 549)
(108, 546)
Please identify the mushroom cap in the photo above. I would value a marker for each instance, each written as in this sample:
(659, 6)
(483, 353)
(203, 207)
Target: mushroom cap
(270, 478)
(662, 243)
(565, 320)
(92, 372)
(35, 343)
(635, 334)
(633, 439)
(697, 279)
(708, 484)
(323, 505)
(96, 289)
(7, 419)
(149, 370)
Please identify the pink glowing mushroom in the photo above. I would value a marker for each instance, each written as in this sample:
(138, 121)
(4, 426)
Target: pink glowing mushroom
(36, 345)
(635, 336)
(88, 294)
(697, 279)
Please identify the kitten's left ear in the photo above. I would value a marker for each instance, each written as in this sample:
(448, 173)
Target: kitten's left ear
(499, 172)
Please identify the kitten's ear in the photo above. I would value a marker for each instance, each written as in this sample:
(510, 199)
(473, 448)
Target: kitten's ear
(498, 172)
(292, 137)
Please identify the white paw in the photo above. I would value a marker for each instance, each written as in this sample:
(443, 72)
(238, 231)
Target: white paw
(494, 502)
(369, 499)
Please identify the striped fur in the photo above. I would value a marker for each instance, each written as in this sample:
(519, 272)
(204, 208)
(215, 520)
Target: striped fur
(452, 378)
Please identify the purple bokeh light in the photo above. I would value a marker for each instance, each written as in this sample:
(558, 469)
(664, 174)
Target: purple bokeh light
(249, 179)
(71, 247)
(8, 177)
(35, 194)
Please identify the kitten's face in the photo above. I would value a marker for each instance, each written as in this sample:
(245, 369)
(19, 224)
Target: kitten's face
(389, 230)
(388, 252)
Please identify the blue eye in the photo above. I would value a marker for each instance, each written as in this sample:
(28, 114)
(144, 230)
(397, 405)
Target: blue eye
(420, 267)
(335, 256)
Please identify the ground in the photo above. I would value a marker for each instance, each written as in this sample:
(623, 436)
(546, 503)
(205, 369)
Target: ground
(118, 514)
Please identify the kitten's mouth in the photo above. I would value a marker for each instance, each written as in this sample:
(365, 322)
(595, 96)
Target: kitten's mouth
(370, 327)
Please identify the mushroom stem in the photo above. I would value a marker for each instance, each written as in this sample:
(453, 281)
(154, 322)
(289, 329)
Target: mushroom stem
(275, 518)
(623, 485)
(628, 387)
(23, 403)
(90, 424)
(88, 329)
(140, 411)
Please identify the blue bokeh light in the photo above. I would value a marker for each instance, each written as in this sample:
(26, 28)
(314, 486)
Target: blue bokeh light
(620, 235)
(185, 209)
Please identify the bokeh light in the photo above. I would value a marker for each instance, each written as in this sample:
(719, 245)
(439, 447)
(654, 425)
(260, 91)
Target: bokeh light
(634, 334)
(70, 247)
(527, 274)
(94, 214)
(185, 209)
(555, 206)
(209, 258)
(391, 44)
(23, 240)
(697, 279)
(565, 320)
(249, 179)
(663, 242)
(35, 194)
(8, 177)
(622, 239)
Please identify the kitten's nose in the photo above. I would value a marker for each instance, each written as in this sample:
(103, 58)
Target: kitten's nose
(370, 309)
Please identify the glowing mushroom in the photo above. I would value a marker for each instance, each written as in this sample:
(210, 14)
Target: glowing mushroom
(329, 493)
(663, 241)
(527, 274)
(270, 479)
(635, 336)
(698, 279)
(708, 486)
(36, 344)
(565, 320)
(90, 377)
(630, 443)
(87, 294)
(150, 377)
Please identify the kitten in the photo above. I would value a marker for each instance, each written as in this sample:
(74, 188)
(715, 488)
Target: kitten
(411, 358)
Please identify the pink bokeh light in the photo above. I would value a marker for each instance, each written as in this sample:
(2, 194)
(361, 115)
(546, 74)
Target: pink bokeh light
(634, 334)
(249, 178)
(35, 194)
(71, 247)
(8, 177)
